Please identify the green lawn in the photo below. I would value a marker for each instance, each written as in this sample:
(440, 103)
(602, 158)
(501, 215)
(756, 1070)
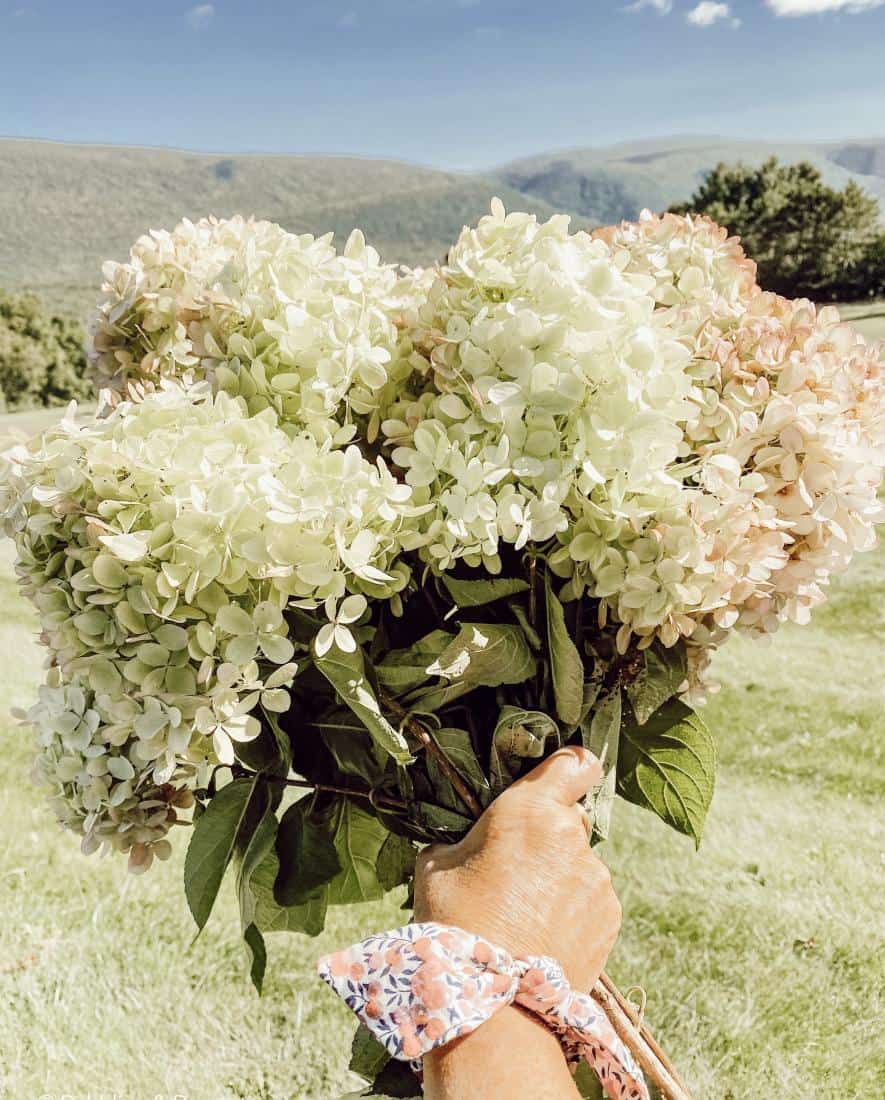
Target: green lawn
(763, 955)
(20, 425)
(867, 317)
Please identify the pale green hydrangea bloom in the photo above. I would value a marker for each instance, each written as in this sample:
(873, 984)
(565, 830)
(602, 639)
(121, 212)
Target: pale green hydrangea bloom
(160, 546)
(280, 320)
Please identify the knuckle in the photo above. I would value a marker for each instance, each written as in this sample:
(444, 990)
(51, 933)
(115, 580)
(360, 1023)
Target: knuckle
(503, 817)
(431, 860)
(424, 861)
(563, 827)
(508, 804)
(423, 864)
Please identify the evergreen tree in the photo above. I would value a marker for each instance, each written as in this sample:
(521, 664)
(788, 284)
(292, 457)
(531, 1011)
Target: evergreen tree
(808, 239)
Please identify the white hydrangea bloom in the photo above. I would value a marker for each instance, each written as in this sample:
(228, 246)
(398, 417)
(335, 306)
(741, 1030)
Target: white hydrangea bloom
(547, 378)
(788, 429)
(693, 261)
(160, 546)
(705, 454)
(280, 320)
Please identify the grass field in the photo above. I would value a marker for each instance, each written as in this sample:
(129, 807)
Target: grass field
(867, 317)
(763, 955)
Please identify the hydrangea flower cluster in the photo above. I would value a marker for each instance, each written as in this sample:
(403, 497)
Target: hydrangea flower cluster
(546, 377)
(787, 430)
(280, 320)
(160, 546)
(695, 454)
(692, 260)
(705, 454)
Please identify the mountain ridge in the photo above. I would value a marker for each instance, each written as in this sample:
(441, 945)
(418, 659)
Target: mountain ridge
(66, 207)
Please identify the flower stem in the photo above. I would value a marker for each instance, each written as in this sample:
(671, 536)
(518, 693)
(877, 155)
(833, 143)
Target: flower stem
(420, 732)
(533, 592)
(651, 1059)
(373, 796)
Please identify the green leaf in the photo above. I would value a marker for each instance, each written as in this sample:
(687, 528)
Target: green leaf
(659, 679)
(396, 862)
(592, 689)
(212, 845)
(457, 746)
(309, 918)
(668, 766)
(566, 666)
(260, 843)
(478, 593)
(481, 655)
(428, 700)
(302, 625)
(600, 733)
(394, 1081)
(404, 670)
(452, 825)
(270, 751)
(533, 637)
(358, 837)
(332, 854)
(354, 750)
(519, 735)
(366, 1094)
(257, 955)
(346, 672)
(367, 1056)
(488, 654)
(308, 858)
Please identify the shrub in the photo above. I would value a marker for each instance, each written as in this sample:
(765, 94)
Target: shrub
(42, 361)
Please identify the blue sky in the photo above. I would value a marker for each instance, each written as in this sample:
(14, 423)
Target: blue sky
(457, 83)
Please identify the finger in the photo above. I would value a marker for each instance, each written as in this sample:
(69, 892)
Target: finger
(436, 857)
(564, 777)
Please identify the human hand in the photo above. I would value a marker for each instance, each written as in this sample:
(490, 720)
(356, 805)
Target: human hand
(525, 878)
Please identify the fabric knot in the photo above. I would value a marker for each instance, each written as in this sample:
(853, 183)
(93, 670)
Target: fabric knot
(421, 986)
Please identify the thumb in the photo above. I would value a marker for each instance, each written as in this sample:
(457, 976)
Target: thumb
(564, 777)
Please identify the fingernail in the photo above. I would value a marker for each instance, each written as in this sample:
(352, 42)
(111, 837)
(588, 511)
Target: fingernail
(583, 757)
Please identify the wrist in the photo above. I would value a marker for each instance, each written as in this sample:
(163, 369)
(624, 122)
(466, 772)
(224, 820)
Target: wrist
(513, 1053)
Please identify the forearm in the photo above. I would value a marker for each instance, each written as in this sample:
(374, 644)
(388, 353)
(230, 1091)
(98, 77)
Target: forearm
(510, 1057)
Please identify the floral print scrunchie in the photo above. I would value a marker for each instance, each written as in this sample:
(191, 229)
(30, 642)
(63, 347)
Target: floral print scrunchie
(421, 986)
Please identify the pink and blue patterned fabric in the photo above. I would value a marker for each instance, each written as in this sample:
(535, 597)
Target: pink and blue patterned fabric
(421, 986)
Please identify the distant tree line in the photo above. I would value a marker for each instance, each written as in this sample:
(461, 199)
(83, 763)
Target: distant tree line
(809, 239)
(42, 361)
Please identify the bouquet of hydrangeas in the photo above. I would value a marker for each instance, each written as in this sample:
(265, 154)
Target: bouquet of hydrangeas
(391, 536)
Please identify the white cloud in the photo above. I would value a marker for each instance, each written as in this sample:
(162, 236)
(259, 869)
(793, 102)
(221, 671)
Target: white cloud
(662, 7)
(709, 12)
(347, 21)
(201, 16)
(820, 7)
